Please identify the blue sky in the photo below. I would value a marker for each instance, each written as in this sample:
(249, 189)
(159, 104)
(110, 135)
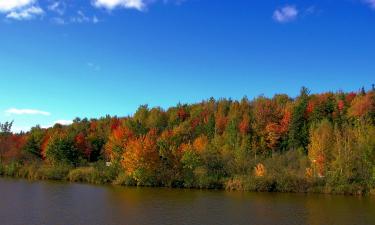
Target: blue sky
(88, 58)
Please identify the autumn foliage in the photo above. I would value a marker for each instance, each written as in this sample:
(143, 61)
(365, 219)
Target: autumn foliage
(330, 135)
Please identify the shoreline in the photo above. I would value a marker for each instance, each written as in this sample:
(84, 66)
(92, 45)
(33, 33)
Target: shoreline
(67, 176)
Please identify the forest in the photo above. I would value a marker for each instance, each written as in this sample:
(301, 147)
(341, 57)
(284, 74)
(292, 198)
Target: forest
(321, 143)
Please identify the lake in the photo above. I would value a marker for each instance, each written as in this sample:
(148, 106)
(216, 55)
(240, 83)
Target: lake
(24, 202)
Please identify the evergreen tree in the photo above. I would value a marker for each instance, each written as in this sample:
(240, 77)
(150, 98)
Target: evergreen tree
(298, 131)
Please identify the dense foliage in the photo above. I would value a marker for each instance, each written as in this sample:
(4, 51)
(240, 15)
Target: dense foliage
(314, 142)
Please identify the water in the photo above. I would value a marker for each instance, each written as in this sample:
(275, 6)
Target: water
(23, 202)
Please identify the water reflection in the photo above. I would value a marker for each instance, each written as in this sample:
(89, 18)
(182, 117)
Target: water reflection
(23, 202)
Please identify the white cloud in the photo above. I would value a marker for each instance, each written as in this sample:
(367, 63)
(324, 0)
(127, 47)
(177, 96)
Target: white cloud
(19, 129)
(371, 3)
(285, 14)
(20, 9)
(11, 5)
(112, 4)
(58, 7)
(14, 111)
(61, 122)
(25, 14)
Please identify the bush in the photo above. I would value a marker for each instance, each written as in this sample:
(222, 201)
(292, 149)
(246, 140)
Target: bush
(56, 172)
(124, 180)
(82, 174)
(97, 173)
(1, 169)
(235, 184)
(346, 189)
(61, 149)
(107, 173)
(11, 169)
(144, 177)
(292, 183)
(29, 171)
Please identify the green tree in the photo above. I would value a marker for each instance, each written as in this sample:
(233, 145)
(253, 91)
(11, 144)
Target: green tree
(34, 142)
(61, 149)
(298, 130)
(5, 131)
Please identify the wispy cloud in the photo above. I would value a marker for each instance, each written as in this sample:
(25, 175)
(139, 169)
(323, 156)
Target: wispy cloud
(15, 111)
(58, 7)
(81, 17)
(93, 66)
(370, 3)
(112, 4)
(25, 14)
(63, 12)
(58, 20)
(285, 14)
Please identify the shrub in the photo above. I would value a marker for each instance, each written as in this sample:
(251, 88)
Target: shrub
(29, 171)
(125, 180)
(107, 173)
(235, 184)
(55, 172)
(1, 169)
(97, 173)
(11, 169)
(61, 149)
(83, 174)
(292, 183)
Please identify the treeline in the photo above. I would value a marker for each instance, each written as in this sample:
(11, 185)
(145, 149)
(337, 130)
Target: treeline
(311, 143)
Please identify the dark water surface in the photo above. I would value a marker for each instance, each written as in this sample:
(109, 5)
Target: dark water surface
(27, 203)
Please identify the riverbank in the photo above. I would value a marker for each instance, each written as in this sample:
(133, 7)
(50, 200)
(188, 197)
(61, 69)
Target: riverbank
(99, 173)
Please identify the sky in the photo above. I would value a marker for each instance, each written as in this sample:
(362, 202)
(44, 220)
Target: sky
(61, 59)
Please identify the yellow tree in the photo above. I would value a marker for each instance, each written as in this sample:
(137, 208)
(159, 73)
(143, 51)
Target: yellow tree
(320, 147)
(117, 142)
(141, 158)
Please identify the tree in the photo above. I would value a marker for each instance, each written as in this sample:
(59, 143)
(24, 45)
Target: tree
(221, 123)
(141, 159)
(82, 145)
(298, 130)
(34, 142)
(244, 126)
(363, 107)
(320, 147)
(354, 153)
(96, 144)
(5, 132)
(190, 160)
(5, 128)
(117, 142)
(61, 149)
(157, 119)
